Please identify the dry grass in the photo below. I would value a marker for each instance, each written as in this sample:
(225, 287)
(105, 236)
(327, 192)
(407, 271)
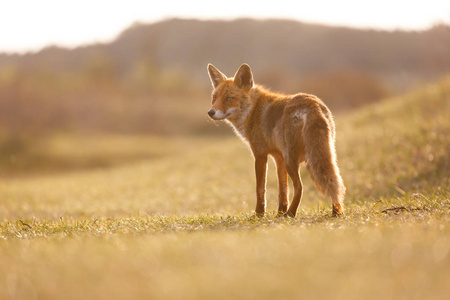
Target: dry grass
(174, 221)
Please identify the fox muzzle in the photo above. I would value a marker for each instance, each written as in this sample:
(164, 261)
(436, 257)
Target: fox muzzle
(211, 113)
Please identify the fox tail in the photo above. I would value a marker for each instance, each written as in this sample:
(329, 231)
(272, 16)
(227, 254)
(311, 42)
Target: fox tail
(319, 136)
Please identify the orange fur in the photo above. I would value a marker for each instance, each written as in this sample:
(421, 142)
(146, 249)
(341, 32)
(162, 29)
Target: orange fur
(291, 128)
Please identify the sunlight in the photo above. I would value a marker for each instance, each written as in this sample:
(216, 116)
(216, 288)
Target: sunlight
(30, 25)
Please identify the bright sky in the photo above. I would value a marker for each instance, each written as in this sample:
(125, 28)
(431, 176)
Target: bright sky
(33, 24)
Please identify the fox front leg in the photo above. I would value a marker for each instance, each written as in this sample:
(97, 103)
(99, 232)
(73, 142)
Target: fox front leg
(260, 171)
(282, 185)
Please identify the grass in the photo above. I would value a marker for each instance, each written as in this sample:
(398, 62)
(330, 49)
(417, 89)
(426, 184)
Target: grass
(172, 218)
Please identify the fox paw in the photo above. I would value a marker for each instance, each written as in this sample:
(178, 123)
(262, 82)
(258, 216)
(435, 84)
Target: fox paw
(289, 215)
(337, 213)
(259, 215)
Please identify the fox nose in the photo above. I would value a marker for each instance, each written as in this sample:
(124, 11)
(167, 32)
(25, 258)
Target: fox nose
(211, 113)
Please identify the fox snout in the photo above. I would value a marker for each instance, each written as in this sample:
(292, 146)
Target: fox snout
(219, 114)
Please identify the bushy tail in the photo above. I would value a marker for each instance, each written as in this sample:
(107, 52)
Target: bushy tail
(318, 137)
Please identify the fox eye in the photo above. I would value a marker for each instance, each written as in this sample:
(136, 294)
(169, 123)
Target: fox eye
(229, 99)
(214, 98)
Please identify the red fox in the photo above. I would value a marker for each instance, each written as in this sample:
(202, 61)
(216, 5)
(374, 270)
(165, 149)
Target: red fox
(291, 128)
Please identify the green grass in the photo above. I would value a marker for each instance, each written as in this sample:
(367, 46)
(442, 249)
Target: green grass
(165, 218)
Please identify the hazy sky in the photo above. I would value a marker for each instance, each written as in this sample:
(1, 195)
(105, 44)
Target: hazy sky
(33, 24)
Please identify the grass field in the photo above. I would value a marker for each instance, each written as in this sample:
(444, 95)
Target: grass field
(159, 218)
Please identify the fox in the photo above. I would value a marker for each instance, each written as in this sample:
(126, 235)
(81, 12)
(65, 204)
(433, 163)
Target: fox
(292, 129)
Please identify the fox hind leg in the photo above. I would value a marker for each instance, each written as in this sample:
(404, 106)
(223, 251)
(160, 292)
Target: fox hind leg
(293, 171)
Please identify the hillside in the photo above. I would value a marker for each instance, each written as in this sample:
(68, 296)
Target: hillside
(297, 48)
(399, 146)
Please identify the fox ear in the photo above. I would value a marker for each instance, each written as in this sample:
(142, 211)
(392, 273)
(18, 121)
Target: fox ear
(244, 77)
(215, 75)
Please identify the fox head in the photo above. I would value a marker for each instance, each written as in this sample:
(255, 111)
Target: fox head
(230, 95)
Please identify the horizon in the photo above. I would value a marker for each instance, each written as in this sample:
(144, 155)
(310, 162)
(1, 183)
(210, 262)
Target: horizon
(88, 43)
(81, 23)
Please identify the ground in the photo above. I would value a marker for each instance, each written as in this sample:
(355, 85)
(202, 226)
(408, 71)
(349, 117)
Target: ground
(172, 218)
